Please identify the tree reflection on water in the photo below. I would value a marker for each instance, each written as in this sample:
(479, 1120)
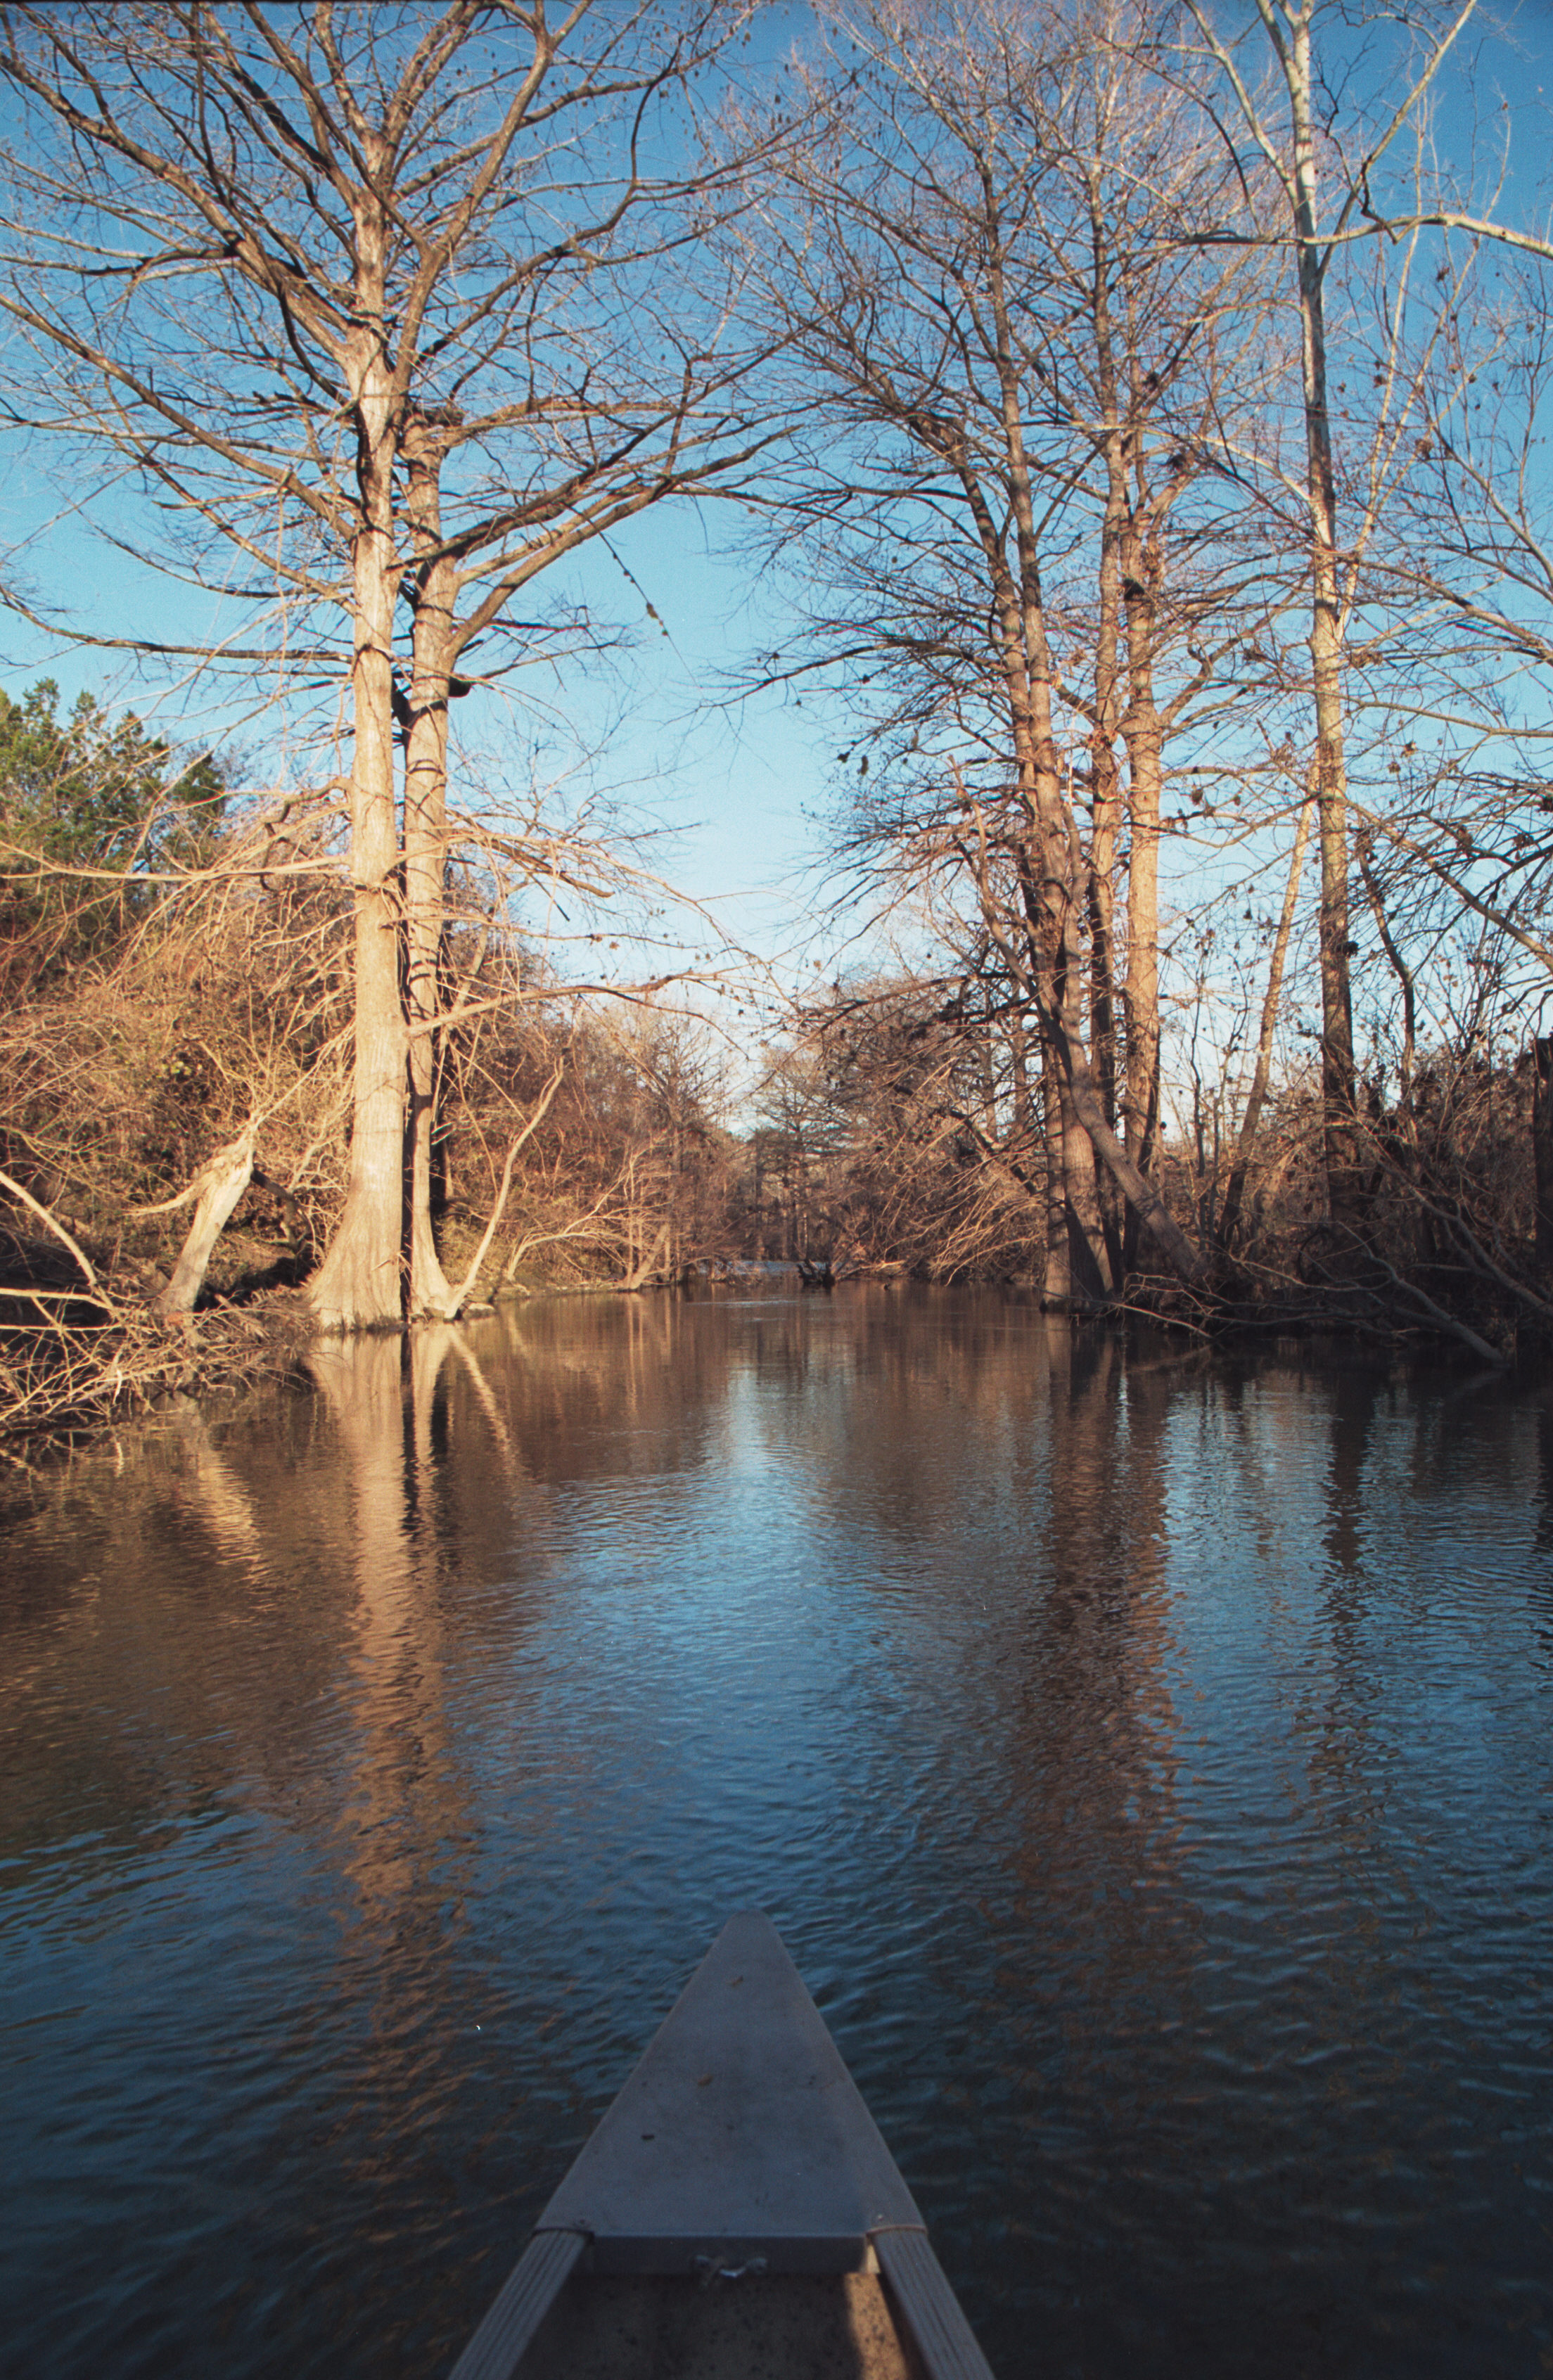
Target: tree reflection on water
(1146, 1756)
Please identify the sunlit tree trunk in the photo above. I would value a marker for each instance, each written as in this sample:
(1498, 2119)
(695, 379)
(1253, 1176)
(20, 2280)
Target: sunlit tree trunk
(357, 1287)
(1092, 1270)
(220, 1186)
(426, 741)
(1057, 1274)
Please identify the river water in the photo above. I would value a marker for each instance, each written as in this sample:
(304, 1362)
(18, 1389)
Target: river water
(1148, 1760)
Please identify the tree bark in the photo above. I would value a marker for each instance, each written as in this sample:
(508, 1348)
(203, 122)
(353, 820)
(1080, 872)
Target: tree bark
(356, 1286)
(1092, 1273)
(426, 742)
(1057, 1268)
(1153, 1214)
(223, 1183)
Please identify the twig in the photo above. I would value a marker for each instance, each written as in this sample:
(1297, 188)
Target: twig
(50, 1222)
(71, 1296)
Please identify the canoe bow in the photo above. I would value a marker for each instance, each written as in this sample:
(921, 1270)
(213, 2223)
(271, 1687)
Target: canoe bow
(739, 2144)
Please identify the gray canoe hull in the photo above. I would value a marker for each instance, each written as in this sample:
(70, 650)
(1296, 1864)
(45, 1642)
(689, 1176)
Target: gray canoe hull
(740, 2147)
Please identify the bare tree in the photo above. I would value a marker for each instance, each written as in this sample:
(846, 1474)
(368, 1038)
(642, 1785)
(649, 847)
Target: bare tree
(1293, 157)
(986, 271)
(284, 264)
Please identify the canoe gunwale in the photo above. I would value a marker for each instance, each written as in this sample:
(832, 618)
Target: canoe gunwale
(527, 2297)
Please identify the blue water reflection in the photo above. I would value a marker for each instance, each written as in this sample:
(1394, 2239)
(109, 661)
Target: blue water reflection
(1148, 1760)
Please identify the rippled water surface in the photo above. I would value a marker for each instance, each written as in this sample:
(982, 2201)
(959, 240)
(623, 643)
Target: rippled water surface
(1148, 1762)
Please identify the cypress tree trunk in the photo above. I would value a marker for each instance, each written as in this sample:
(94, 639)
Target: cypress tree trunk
(357, 1287)
(424, 848)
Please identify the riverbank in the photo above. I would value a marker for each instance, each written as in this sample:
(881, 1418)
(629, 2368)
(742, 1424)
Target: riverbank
(75, 1366)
